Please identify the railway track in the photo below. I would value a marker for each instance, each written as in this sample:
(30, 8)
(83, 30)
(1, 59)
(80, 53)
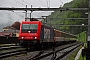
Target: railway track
(57, 53)
(10, 50)
(66, 51)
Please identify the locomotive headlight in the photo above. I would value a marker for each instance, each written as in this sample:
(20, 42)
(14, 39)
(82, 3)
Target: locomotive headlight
(22, 37)
(35, 37)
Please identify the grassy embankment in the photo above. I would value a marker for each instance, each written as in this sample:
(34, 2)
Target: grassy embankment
(82, 38)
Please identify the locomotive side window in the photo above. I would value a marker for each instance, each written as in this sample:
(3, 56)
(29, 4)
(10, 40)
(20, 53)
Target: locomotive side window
(29, 27)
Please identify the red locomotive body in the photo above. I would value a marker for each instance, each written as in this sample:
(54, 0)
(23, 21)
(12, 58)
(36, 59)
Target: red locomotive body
(30, 30)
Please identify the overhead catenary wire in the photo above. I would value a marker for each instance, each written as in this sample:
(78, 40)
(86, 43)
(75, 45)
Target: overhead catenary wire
(61, 2)
(8, 14)
(3, 17)
(42, 3)
(29, 5)
(25, 2)
(19, 2)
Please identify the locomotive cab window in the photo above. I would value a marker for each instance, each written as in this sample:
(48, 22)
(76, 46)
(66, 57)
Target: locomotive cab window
(29, 27)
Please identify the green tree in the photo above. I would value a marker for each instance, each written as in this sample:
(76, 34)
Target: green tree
(71, 14)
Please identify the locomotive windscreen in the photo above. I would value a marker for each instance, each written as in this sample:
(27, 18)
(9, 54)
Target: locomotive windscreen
(31, 28)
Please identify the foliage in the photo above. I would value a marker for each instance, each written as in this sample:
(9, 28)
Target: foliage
(71, 14)
(82, 37)
(82, 58)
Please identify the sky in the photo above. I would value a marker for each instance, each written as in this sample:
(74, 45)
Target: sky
(34, 3)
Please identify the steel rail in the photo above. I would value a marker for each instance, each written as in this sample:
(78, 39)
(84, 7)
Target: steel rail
(66, 53)
(11, 53)
(10, 47)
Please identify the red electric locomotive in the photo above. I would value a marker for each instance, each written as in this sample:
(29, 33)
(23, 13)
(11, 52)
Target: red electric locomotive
(34, 32)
